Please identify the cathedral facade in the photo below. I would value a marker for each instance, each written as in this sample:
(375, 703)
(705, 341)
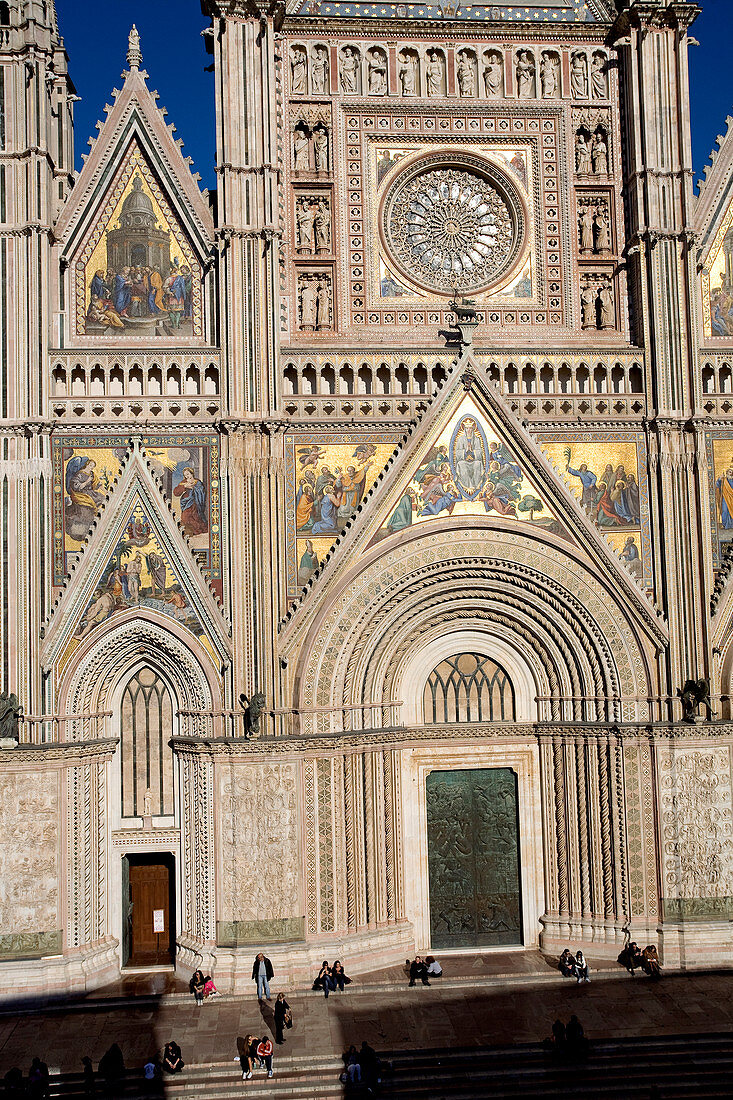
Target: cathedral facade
(367, 522)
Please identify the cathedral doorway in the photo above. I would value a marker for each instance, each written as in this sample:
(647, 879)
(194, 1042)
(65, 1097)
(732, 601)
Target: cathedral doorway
(148, 904)
(473, 858)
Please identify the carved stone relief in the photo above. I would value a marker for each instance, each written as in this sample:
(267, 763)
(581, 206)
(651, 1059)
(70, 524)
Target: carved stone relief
(466, 73)
(319, 70)
(29, 820)
(310, 147)
(550, 74)
(377, 71)
(597, 304)
(313, 224)
(493, 74)
(697, 831)
(259, 830)
(315, 302)
(525, 75)
(298, 70)
(594, 225)
(349, 74)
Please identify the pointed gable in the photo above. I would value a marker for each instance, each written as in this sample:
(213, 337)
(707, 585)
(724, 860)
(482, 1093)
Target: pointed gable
(495, 472)
(135, 561)
(714, 230)
(136, 232)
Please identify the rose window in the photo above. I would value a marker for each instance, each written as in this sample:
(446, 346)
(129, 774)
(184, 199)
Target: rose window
(452, 227)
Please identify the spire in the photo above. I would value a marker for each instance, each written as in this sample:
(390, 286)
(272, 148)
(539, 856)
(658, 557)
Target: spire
(134, 56)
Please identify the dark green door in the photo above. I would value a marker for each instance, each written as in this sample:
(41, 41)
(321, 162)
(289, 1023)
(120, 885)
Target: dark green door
(473, 858)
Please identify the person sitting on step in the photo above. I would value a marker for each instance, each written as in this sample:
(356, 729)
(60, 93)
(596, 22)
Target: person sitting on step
(581, 967)
(264, 1053)
(567, 964)
(172, 1060)
(338, 976)
(324, 980)
(435, 970)
(630, 957)
(419, 970)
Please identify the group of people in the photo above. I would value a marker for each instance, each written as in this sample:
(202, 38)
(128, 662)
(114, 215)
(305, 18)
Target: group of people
(633, 958)
(202, 987)
(324, 501)
(36, 1086)
(361, 1067)
(331, 978)
(115, 297)
(611, 499)
(574, 966)
(108, 1080)
(256, 1053)
(568, 1041)
(424, 969)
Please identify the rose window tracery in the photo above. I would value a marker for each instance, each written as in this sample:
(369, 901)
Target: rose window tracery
(451, 226)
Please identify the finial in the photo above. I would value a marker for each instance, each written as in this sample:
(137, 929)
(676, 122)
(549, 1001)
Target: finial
(134, 56)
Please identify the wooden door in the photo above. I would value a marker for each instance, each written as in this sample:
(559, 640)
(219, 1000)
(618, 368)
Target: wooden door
(151, 916)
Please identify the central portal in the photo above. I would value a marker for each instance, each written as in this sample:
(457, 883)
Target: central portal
(473, 858)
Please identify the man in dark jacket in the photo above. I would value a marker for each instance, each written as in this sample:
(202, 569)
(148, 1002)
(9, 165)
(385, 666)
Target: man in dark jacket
(261, 973)
(419, 970)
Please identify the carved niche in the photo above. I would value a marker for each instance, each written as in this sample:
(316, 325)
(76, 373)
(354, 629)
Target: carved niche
(597, 302)
(594, 225)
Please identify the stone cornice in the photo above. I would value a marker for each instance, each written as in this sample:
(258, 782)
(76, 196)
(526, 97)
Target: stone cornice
(61, 754)
(444, 30)
(456, 733)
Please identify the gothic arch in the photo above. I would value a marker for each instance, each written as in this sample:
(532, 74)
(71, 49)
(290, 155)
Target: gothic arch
(566, 629)
(103, 665)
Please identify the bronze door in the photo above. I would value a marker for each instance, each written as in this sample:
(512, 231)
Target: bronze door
(151, 936)
(473, 858)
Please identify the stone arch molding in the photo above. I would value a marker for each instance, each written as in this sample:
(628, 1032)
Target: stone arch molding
(99, 669)
(563, 632)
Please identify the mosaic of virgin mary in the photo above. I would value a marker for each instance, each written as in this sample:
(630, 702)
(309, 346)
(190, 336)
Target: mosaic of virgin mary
(469, 457)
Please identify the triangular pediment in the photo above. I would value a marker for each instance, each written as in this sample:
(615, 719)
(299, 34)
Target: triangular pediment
(713, 226)
(136, 233)
(470, 459)
(135, 560)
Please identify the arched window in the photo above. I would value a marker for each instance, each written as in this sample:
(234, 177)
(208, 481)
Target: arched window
(147, 759)
(468, 687)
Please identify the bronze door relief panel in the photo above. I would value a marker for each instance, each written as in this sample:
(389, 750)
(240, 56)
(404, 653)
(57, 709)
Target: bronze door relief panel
(473, 858)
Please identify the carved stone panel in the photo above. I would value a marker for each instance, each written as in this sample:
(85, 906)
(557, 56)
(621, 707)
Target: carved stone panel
(260, 855)
(697, 833)
(29, 822)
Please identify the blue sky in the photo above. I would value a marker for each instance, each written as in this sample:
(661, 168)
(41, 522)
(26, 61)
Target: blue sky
(174, 56)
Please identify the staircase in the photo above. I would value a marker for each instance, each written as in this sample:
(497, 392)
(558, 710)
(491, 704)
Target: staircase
(682, 1067)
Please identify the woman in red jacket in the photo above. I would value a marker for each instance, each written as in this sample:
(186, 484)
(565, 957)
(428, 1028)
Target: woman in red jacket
(264, 1053)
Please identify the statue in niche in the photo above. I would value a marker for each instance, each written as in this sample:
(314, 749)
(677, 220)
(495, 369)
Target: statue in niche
(434, 73)
(598, 79)
(466, 74)
(10, 714)
(525, 75)
(588, 307)
(298, 71)
(599, 154)
(322, 227)
(695, 694)
(319, 70)
(582, 155)
(602, 231)
(377, 73)
(579, 75)
(349, 71)
(307, 304)
(408, 75)
(301, 151)
(320, 148)
(305, 219)
(549, 72)
(493, 74)
(148, 803)
(586, 230)
(323, 303)
(605, 307)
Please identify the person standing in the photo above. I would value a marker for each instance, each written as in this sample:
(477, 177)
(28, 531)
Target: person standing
(196, 986)
(283, 1017)
(261, 973)
(264, 1053)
